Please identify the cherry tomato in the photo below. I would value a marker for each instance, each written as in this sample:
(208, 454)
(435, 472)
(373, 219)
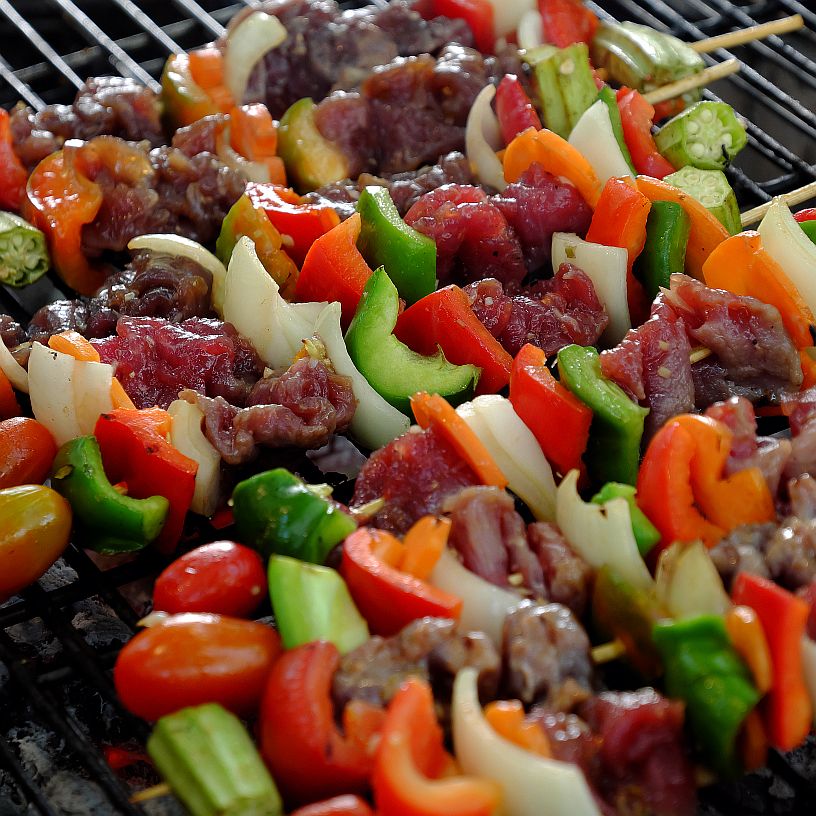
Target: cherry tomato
(27, 450)
(35, 525)
(192, 659)
(346, 805)
(223, 577)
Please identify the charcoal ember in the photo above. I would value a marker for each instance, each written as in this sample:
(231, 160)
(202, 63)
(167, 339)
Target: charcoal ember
(473, 239)
(114, 106)
(301, 407)
(538, 205)
(413, 474)
(651, 364)
(752, 354)
(432, 649)
(155, 359)
(491, 537)
(643, 764)
(172, 193)
(551, 314)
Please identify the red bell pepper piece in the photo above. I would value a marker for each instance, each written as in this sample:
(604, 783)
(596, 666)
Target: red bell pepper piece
(682, 488)
(411, 760)
(478, 14)
(300, 742)
(564, 22)
(386, 597)
(334, 269)
(620, 220)
(806, 215)
(514, 109)
(637, 117)
(302, 224)
(254, 135)
(558, 419)
(788, 711)
(445, 319)
(13, 175)
(135, 451)
(346, 805)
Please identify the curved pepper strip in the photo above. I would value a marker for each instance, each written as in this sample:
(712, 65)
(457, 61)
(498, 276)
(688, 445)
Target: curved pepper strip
(411, 758)
(13, 175)
(703, 669)
(789, 712)
(637, 118)
(135, 451)
(682, 489)
(564, 22)
(387, 597)
(741, 265)
(514, 110)
(254, 135)
(184, 100)
(446, 320)
(308, 755)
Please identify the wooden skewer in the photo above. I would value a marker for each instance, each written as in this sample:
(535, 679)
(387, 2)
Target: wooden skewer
(607, 652)
(148, 794)
(673, 89)
(791, 199)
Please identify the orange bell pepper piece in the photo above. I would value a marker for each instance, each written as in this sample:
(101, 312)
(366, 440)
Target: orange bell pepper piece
(431, 409)
(254, 135)
(506, 717)
(748, 638)
(207, 71)
(706, 232)
(423, 546)
(409, 767)
(556, 156)
(753, 742)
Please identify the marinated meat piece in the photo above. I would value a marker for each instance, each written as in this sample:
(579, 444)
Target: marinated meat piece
(570, 738)
(155, 359)
(567, 576)
(113, 106)
(643, 764)
(405, 188)
(473, 239)
(803, 450)
(301, 407)
(491, 537)
(802, 493)
(752, 353)
(346, 119)
(546, 653)
(413, 475)
(551, 315)
(201, 136)
(11, 332)
(800, 409)
(174, 193)
(536, 206)
(652, 365)
(433, 649)
(742, 551)
(747, 449)
(62, 315)
(413, 34)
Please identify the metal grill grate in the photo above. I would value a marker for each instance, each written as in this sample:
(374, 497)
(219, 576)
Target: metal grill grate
(59, 639)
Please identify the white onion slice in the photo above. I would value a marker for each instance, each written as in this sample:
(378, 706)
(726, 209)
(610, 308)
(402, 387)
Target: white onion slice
(483, 139)
(92, 393)
(508, 13)
(532, 785)
(529, 33)
(809, 669)
(188, 438)
(594, 138)
(246, 44)
(687, 582)
(17, 375)
(375, 422)
(606, 268)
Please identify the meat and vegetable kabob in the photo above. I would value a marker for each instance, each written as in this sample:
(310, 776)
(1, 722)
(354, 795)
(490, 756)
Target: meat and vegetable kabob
(560, 532)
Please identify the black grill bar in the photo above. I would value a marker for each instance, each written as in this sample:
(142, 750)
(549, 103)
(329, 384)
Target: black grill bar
(145, 22)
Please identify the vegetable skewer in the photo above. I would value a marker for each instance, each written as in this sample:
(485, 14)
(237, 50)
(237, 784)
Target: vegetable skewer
(794, 197)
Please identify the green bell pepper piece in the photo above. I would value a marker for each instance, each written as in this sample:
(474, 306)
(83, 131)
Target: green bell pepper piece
(628, 614)
(105, 520)
(646, 534)
(391, 368)
(664, 253)
(809, 228)
(409, 257)
(313, 603)
(23, 251)
(311, 159)
(613, 451)
(703, 669)
(277, 513)
(565, 86)
(607, 96)
(640, 57)
(210, 762)
(712, 190)
(707, 135)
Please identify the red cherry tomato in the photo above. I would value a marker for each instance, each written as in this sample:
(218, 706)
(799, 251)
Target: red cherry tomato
(223, 578)
(27, 451)
(192, 659)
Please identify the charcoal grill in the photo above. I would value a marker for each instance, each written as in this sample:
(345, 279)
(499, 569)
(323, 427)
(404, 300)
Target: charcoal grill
(58, 640)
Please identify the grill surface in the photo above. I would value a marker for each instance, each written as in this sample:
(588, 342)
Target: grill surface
(58, 641)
